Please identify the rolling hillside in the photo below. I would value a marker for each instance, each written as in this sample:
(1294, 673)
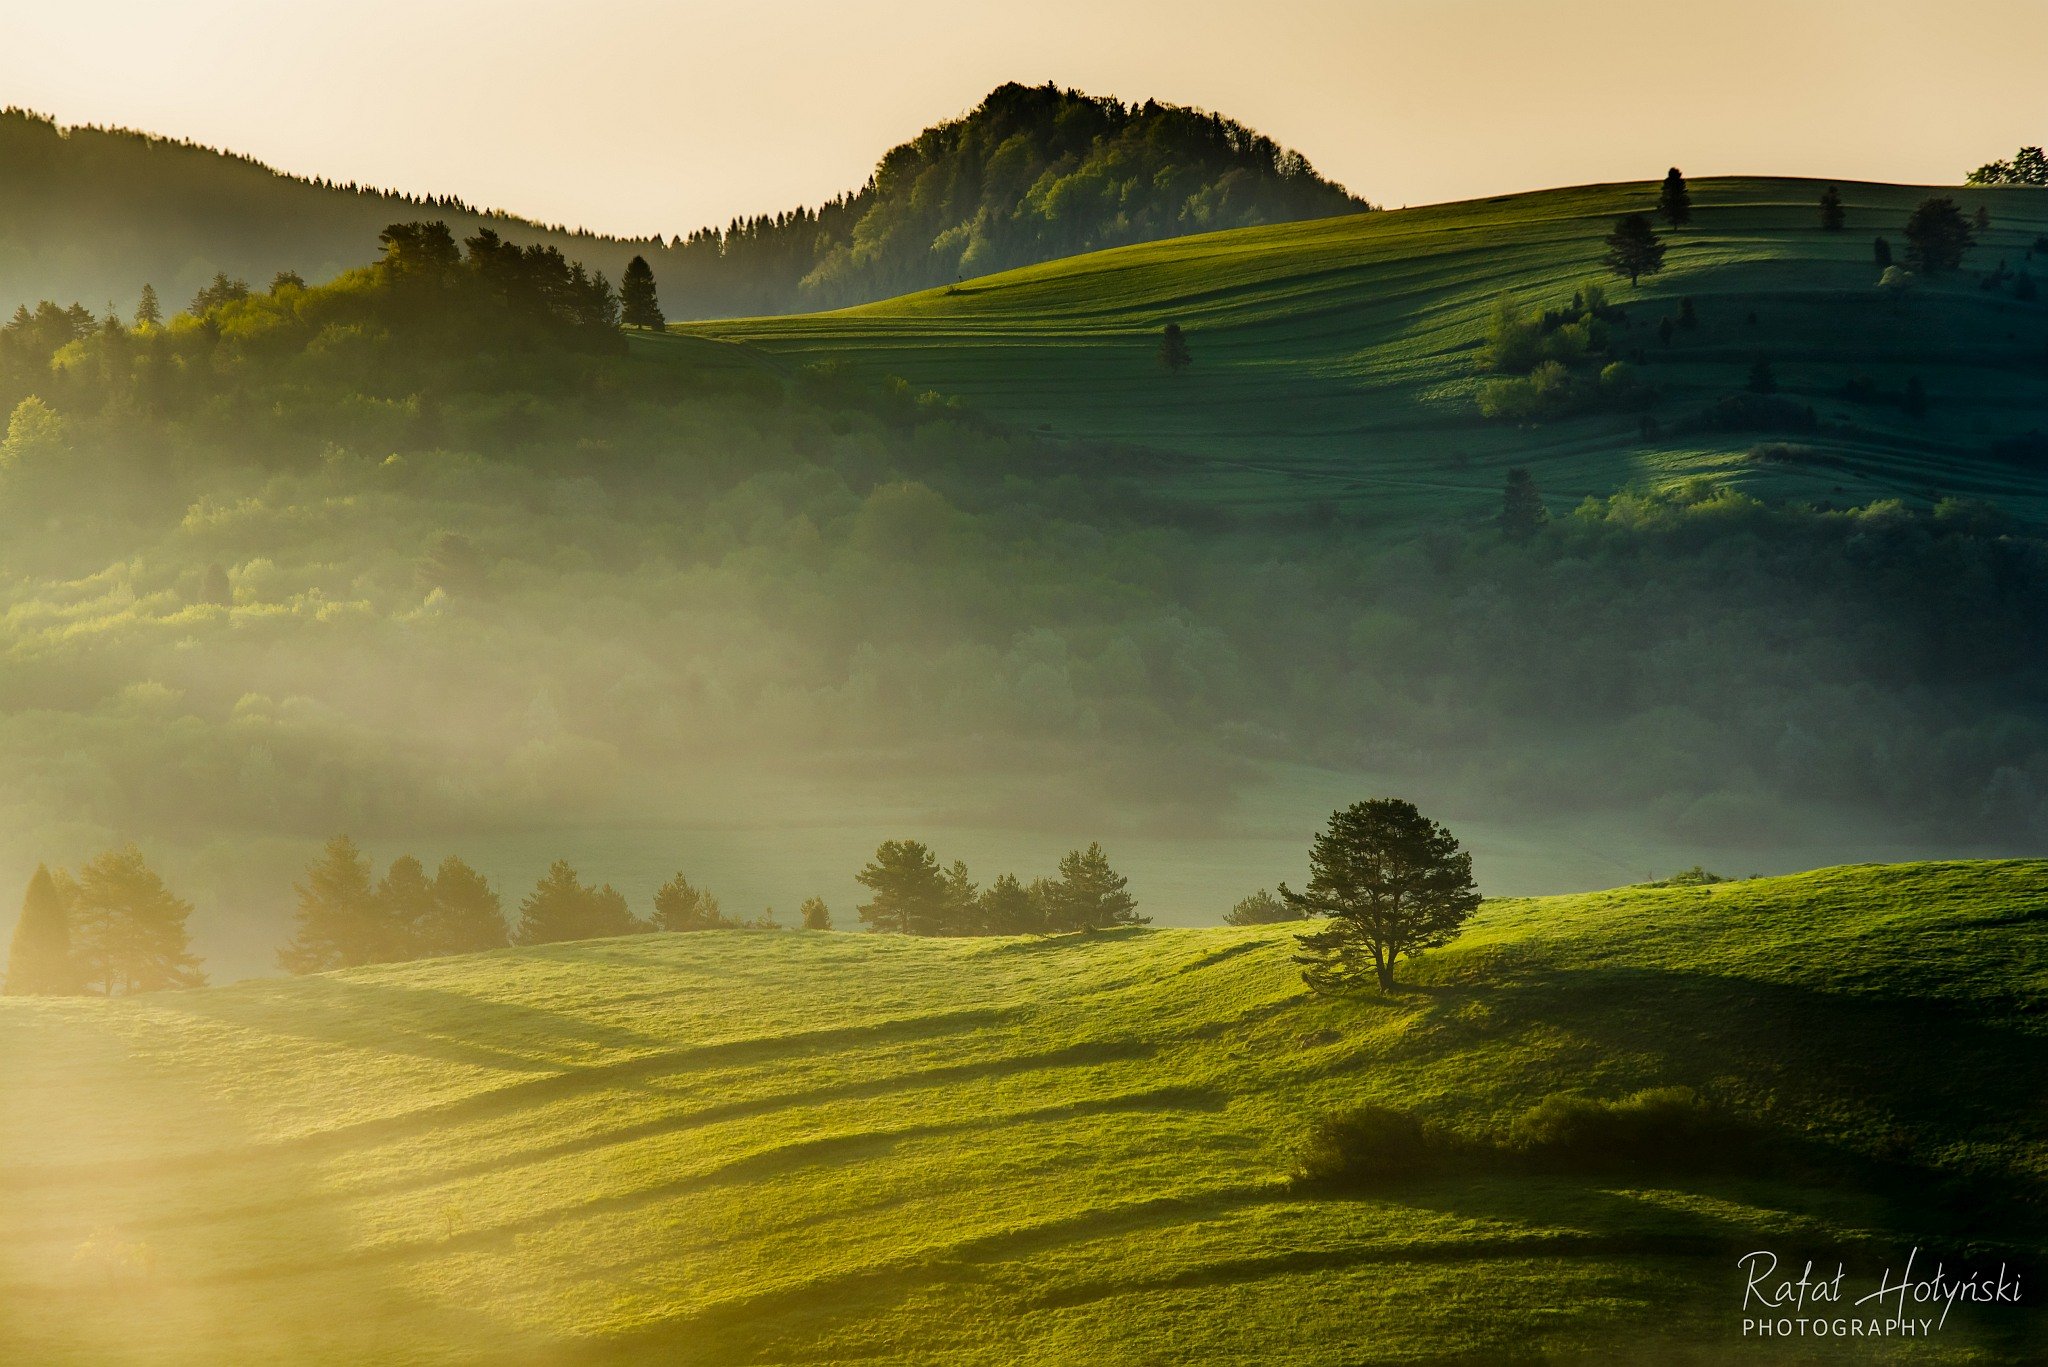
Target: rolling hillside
(762, 1147)
(1335, 361)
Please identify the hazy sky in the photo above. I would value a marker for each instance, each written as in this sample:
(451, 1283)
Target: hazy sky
(637, 117)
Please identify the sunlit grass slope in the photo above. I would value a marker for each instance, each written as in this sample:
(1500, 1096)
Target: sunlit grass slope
(1334, 360)
(755, 1147)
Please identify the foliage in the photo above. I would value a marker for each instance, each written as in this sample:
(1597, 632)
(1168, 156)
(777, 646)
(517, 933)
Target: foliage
(1260, 909)
(814, 914)
(1937, 235)
(1088, 894)
(562, 907)
(1522, 511)
(1633, 249)
(1674, 200)
(1174, 355)
(639, 304)
(2028, 166)
(680, 906)
(1832, 216)
(910, 893)
(39, 958)
(1392, 883)
(128, 930)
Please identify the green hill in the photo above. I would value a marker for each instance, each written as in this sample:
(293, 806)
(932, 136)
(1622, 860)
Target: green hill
(1031, 173)
(1338, 361)
(760, 1147)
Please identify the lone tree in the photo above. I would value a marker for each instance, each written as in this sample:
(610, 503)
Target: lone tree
(1633, 249)
(1262, 908)
(1522, 513)
(562, 907)
(1173, 350)
(911, 892)
(1937, 235)
(1391, 882)
(1089, 893)
(39, 962)
(1881, 253)
(131, 934)
(816, 915)
(1832, 216)
(1674, 201)
(639, 307)
(148, 312)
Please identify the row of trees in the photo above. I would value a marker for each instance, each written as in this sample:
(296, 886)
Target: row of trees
(111, 929)
(913, 894)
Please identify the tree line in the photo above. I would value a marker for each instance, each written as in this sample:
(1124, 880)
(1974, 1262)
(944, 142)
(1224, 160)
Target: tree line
(111, 929)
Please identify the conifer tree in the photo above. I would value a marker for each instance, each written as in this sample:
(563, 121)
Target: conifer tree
(1089, 894)
(1674, 201)
(1832, 216)
(148, 312)
(680, 906)
(1522, 513)
(1173, 350)
(815, 914)
(1881, 253)
(1260, 909)
(1633, 249)
(561, 907)
(1008, 908)
(464, 914)
(338, 914)
(639, 306)
(39, 961)
(130, 929)
(405, 906)
(910, 892)
(1392, 882)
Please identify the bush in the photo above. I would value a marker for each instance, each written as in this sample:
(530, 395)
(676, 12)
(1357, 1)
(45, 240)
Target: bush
(1747, 411)
(1670, 1127)
(1374, 1144)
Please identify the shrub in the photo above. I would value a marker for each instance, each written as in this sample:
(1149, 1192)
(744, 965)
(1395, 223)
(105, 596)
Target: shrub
(1373, 1144)
(1746, 411)
(1670, 1127)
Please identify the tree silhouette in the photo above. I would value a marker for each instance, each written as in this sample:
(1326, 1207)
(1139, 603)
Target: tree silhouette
(1832, 215)
(39, 962)
(1173, 350)
(1522, 513)
(815, 915)
(148, 312)
(1088, 893)
(1390, 882)
(561, 907)
(910, 891)
(1674, 201)
(1937, 235)
(639, 306)
(130, 928)
(1633, 249)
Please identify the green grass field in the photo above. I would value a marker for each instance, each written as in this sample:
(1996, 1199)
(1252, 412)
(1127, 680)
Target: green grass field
(1335, 359)
(754, 1147)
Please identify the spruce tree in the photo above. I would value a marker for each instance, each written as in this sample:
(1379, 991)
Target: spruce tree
(148, 312)
(39, 962)
(337, 914)
(1089, 894)
(1674, 201)
(466, 915)
(130, 929)
(910, 891)
(405, 907)
(1522, 513)
(1009, 908)
(1937, 235)
(639, 306)
(1832, 216)
(815, 914)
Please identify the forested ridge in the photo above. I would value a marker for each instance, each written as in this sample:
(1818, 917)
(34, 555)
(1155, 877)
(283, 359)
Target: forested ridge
(1031, 173)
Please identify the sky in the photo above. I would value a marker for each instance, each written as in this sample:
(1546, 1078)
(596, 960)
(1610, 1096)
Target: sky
(635, 117)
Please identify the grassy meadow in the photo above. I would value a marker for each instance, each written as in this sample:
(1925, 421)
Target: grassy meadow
(1335, 360)
(751, 1147)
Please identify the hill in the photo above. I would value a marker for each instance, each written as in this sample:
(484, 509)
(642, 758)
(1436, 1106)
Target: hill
(91, 213)
(1341, 362)
(752, 1147)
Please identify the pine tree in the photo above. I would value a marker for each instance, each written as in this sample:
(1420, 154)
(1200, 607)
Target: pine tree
(1173, 350)
(1832, 216)
(148, 312)
(405, 906)
(1009, 908)
(464, 915)
(1089, 894)
(910, 895)
(639, 306)
(963, 902)
(1937, 235)
(1260, 909)
(1674, 201)
(338, 915)
(678, 906)
(1392, 882)
(39, 961)
(130, 928)
(561, 907)
(815, 914)
(1633, 249)
(1522, 513)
